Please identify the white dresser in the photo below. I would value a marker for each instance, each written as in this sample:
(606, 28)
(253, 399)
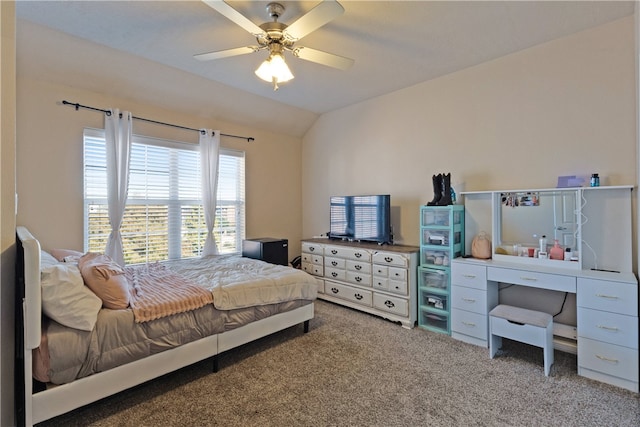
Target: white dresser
(607, 311)
(377, 279)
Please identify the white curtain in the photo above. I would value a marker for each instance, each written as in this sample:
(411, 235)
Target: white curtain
(117, 126)
(209, 153)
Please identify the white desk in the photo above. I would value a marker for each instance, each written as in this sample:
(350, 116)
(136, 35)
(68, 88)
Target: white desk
(607, 311)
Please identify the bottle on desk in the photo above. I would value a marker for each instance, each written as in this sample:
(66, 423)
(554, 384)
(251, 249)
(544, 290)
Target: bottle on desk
(556, 252)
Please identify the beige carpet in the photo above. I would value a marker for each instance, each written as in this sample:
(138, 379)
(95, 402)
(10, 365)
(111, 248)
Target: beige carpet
(353, 369)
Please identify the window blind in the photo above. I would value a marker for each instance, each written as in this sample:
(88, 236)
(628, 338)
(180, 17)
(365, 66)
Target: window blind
(164, 218)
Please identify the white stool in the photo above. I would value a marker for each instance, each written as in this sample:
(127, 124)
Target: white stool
(519, 324)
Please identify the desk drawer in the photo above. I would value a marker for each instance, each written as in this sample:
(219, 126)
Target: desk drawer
(608, 327)
(532, 279)
(471, 276)
(610, 359)
(467, 323)
(608, 296)
(469, 299)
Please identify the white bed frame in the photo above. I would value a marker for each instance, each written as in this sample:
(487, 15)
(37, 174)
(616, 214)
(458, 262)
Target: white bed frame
(60, 399)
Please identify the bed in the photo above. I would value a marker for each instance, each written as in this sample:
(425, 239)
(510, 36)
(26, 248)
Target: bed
(65, 368)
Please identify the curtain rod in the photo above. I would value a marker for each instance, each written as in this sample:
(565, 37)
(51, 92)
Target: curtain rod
(78, 106)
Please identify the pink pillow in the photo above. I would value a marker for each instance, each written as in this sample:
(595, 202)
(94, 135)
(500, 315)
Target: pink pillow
(66, 255)
(106, 279)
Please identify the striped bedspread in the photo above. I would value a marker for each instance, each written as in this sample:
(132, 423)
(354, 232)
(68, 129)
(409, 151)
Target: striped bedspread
(157, 292)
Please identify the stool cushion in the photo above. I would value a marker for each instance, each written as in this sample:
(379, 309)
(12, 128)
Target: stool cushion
(522, 315)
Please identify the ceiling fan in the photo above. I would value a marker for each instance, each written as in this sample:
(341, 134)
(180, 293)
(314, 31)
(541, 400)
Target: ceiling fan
(277, 38)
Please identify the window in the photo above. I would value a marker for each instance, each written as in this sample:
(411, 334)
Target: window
(164, 218)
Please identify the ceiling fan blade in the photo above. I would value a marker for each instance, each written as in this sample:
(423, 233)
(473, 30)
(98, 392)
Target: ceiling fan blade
(314, 19)
(324, 58)
(208, 56)
(235, 16)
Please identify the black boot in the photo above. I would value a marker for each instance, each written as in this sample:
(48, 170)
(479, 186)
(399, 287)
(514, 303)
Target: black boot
(437, 190)
(445, 199)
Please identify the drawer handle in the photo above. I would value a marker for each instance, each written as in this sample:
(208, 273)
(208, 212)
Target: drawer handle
(358, 267)
(333, 251)
(473, 325)
(389, 304)
(469, 276)
(388, 259)
(358, 255)
(358, 296)
(608, 328)
(334, 274)
(529, 279)
(469, 300)
(312, 249)
(397, 275)
(607, 296)
(335, 290)
(334, 263)
(358, 279)
(607, 359)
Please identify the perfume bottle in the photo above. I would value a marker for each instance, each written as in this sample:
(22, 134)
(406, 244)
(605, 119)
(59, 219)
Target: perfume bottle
(556, 251)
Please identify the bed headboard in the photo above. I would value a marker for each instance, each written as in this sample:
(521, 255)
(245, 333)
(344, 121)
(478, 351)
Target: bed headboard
(29, 274)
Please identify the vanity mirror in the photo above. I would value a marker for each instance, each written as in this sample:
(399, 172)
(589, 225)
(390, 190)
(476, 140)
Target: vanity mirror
(524, 217)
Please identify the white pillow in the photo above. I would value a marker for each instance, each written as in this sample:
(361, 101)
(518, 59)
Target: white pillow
(47, 260)
(66, 299)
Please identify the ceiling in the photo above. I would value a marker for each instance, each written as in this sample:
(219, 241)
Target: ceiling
(395, 44)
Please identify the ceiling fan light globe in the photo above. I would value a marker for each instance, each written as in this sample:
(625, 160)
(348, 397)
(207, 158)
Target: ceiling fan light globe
(274, 68)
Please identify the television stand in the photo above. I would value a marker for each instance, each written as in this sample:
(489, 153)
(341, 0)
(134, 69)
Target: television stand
(376, 278)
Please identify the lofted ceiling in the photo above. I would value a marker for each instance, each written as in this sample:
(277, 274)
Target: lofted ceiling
(395, 44)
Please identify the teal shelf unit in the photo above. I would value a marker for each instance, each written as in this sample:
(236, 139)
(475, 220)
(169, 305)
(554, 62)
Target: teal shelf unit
(441, 240)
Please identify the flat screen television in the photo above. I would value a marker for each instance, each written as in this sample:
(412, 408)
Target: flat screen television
(361, 218)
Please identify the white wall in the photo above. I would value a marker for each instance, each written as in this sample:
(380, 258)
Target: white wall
(564, 107)
(7, 208)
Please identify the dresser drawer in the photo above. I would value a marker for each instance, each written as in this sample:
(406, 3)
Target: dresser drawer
(332, 262)
(398, 287)
(348, 293)
(320, 284)
(348, 253)
(380, 270)
(393, 305)
(469, 299)
(396, 273)
(311, 258)
(335, 273)
(312, 248)
(608, 327)
(610, 359)
(471, 276)
(362, 267)
(532, 279)
(314, 269)
(357, 278)
(390, 258)
(608, 296)
(468, 323)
